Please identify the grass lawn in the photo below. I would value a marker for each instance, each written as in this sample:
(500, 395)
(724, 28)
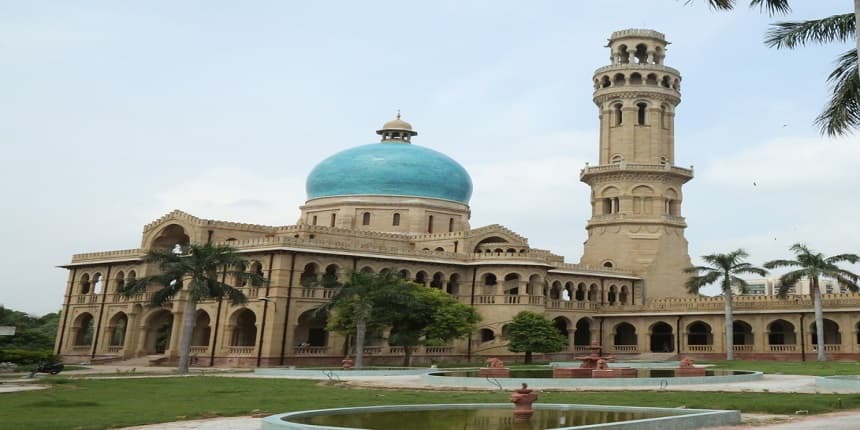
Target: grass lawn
(813, 368)
(100, 404)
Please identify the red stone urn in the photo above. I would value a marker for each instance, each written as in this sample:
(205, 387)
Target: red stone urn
(686, 368)
(523, 399)
(347, 363)
(495, 369)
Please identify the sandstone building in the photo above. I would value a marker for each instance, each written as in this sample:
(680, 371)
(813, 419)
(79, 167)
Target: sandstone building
(394, 205)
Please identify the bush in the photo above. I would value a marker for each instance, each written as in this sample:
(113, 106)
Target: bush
(25, 356)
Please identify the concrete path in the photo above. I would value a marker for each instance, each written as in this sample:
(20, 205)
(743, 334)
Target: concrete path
(835, 421)
(233, 423)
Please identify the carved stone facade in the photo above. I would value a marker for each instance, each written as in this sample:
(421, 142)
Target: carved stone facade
(626, 294)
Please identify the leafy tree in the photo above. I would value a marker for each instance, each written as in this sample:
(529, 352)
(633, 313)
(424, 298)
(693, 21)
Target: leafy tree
(197, 266)
(369, 302)
(31, 333)
(723, 268)
(354, 303)
(842, 112)
(420, 315)
(531, 332)
(813, 265)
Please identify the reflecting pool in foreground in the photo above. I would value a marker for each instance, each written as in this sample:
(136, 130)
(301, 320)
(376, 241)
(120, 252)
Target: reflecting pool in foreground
(472, 419)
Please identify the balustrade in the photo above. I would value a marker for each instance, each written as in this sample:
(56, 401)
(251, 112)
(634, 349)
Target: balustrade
(372, 350)
(828, 347)
(782, 348)
(625, 348)
(200, 349)
(700, 348)
(743, 348)
(310, 350)
(242, 350)
(113, 349)
(438, 349)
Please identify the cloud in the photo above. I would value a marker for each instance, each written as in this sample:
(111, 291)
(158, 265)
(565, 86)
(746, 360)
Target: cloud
(790, 162)
(237, 195)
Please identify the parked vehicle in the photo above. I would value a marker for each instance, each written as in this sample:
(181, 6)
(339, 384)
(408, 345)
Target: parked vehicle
(48, 367)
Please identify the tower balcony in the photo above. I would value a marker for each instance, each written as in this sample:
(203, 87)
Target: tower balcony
(589, 172)
(640, 219)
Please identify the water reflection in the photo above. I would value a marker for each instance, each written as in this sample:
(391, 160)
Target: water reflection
(472, 419)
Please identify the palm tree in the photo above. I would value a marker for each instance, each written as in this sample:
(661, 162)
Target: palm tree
(842, 112)
(724, 268)
(197, 266)
(354, 301)
(813, 265)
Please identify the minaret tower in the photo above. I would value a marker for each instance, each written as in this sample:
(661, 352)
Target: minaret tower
(636, 220)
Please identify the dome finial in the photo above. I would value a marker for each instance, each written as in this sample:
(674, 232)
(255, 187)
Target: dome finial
(396, 131)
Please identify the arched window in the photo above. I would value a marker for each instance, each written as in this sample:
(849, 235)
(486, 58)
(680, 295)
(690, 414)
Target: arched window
(308, 277)
(85, 284)
(314, 222)
(617, 113)
(120, 280)
(640, 118)
(487, 335)
(395, 220)
(365, 219)
(244, 328)
(98, 283)
(450, 225)
(617, 158)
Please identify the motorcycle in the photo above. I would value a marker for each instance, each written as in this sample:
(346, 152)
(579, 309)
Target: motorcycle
(52, 368)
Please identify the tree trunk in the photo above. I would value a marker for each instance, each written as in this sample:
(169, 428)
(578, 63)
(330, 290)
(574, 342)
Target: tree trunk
(819, 319)
(360, 331)
(730, 332)
(188, 320)
(407, 356)
(528, 359)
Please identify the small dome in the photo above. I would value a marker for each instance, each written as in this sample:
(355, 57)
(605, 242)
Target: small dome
(386, 169)
(397, 124)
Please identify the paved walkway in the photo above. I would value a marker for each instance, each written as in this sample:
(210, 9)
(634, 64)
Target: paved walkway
(836, 421)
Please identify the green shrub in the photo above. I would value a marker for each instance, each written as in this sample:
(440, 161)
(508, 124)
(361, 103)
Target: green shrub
(25, 356)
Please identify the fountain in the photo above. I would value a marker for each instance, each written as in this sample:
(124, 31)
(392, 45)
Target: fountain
(347, 363)
(594, 365)
(523, 399)
(500, 416)
(686, 368)
(495, 369)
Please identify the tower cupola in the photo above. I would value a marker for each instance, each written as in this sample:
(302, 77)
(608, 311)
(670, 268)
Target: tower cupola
(397, 131)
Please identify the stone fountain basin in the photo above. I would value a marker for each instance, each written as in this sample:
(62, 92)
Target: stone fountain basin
(659, 418)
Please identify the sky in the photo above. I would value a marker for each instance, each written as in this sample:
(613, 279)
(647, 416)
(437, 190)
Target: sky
(114, 113)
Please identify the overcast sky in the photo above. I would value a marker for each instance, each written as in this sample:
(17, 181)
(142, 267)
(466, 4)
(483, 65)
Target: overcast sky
(113, 113)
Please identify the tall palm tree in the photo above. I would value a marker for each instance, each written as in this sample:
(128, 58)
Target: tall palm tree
(724, 268)
(354, 302)
(842, 112)
(196, 266)
(813, 265)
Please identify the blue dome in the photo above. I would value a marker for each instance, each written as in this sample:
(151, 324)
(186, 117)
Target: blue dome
(390, 169)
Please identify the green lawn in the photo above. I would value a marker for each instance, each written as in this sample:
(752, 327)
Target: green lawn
(813, 368)
(100, 404)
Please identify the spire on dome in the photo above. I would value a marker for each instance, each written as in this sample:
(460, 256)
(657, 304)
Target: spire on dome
(396, 130)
